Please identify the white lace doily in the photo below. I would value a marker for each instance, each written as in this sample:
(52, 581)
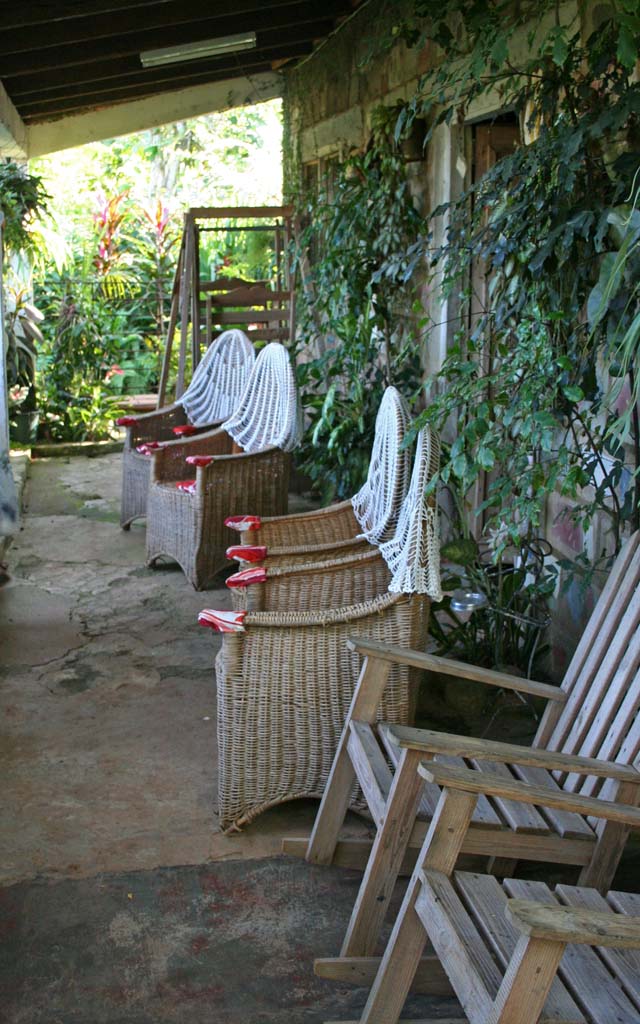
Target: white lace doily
(220, 379)
(378, 502)
(268, 414)
(413, 556)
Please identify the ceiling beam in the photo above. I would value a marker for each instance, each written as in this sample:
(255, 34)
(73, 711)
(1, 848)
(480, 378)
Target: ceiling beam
(72, 64)
(142, 20)
(68, 132)
(39, 110)
(38, 12)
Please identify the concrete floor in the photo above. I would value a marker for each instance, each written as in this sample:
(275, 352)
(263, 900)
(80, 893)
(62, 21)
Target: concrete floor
(120, 900)
(109, 752)
(108, 767)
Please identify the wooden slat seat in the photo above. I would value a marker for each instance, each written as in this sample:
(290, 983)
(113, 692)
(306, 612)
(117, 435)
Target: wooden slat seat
(597, 985)
(588, 744)
(516, 952)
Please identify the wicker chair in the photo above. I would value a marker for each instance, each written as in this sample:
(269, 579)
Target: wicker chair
(212, 396)
(367, 518)
(248, 455)
(285, 678)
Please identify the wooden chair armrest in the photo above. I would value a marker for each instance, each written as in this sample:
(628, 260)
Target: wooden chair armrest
(490, 784)
(573, 924)
(506, 753)
(432, 663)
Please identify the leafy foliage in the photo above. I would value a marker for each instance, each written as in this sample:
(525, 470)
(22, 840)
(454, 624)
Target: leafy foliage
(22, 199)
(360, 235)
(524, 379)
(106, 296)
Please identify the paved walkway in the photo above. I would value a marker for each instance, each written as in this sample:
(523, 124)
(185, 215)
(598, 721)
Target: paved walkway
(108, 699)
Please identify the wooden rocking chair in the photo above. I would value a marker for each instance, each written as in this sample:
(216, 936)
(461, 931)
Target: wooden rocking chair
(245, 459)
(368, 518)
(285, 675)
(587, 743)
(514, 953)
(212, 397)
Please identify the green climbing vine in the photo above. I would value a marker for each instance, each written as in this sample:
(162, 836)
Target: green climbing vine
(533, 379)
(355, 257)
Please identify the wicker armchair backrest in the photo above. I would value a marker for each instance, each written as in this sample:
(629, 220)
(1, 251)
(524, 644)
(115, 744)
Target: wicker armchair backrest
(377, 504)
(220, 379)
(268, 414)
(413, 556)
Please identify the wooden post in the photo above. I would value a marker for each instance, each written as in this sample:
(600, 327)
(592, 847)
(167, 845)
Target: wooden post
(195, 298)
(171, 330)
(4, 385)
(185, 289)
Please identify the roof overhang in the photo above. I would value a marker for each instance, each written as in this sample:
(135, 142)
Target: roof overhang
(72, 71)
(106, 123)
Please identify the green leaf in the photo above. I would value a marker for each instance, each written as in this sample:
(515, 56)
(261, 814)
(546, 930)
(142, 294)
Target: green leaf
(627, 51)
(560, 49)
(573, 393)
(486, 458)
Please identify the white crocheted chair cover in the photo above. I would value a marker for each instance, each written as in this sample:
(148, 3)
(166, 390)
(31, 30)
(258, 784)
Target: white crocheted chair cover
(220, 379)
(413, 556)
(377, 503)
(268, 414)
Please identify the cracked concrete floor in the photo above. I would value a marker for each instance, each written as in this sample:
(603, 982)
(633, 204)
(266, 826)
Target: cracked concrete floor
(108, 747)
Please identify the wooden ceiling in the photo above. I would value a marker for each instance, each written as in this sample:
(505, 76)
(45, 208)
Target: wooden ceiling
(58, 59)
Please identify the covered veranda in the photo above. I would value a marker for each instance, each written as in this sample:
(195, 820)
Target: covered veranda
(123, 902)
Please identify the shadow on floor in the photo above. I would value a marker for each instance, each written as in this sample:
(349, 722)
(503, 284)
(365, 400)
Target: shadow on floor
(227, 943)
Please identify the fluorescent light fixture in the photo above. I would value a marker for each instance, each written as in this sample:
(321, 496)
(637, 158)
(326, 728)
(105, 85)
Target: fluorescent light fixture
(196, 51)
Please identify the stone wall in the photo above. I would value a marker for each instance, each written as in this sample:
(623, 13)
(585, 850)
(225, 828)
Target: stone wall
(329, 98)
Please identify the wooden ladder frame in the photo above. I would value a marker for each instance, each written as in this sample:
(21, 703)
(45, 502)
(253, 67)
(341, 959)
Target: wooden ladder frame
(203, 309)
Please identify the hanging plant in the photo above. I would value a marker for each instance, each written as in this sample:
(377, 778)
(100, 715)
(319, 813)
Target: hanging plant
(22, 199)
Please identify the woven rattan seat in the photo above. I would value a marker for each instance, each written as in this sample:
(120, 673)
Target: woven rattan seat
(285, 676)
(368, 518)
(246, 459)
(212, 396)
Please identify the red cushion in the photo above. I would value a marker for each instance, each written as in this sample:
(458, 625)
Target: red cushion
(243, 523)
(199, 460)
(257, 574)
(222, 621)
(188, 486)
(150, 447)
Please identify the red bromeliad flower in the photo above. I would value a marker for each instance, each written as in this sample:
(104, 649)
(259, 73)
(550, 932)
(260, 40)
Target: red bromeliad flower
(113, 371)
